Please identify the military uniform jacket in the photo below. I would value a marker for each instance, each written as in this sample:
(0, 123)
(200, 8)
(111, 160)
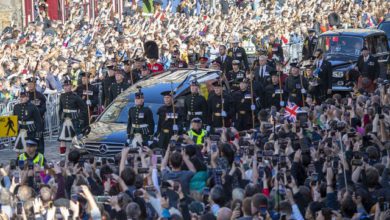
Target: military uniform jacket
(214, 104)
(166, 116)
(92, 93)
(29, 117)
(195, 106)
(116, 89)
(293, 88)
(72, 106)
(235, 78)
(370, 68)
(242, 102)
(239, 54)
(107, 82)
(39, 102)
(135, 73)
(308, 47)
(276, 49)
(139, 117)
(272, 95)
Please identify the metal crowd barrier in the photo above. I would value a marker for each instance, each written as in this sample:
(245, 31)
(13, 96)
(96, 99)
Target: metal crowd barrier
(52, 119)
(292, 51)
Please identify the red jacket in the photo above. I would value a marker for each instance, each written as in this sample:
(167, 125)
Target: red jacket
(155, 68)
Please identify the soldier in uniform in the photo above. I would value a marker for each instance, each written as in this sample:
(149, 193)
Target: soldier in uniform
(216, 114)
(39, 100)
(275, 50)
(107, 82)
(119, 86)
(239, 53)
(140, 119)
(243, 107)
(235, 76)
(296, 85)
(136, 71)
(73, 114)
(169, 119)
(309, 45)
(275, 95)
(90, 96)
(313, 89)
(30, 124)
(195, 105)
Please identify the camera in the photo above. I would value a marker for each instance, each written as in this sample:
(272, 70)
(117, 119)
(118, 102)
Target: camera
(143, 170)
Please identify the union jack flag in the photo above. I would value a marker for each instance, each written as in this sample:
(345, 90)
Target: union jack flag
(291, 111)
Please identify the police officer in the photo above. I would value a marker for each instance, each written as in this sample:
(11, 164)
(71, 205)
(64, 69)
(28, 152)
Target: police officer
(107, 82)
(30, 124)
(196, 133)
(90, 96)
(73, 114)
(275, 95)
(195, 105)
(309, 44)
(239, 53)
(216, 114)
(169, 120)
(296, 85)
(39, 100)
(119, 86)
(243, 107)
(275, 50)
(140, 118)
(31, 155)
(235, 76)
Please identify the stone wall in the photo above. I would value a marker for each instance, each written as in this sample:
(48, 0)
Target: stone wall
(10, 13)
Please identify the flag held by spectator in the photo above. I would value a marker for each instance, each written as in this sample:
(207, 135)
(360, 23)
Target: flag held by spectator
(291, 111)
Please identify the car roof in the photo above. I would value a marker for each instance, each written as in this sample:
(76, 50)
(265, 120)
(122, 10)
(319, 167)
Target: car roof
(177, 79)
(354, 32)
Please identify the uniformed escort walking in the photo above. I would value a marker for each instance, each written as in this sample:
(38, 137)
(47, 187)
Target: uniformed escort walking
(219, 117)
(39, 100)
(195, 105)
(140, 119)
(170, 120)
(243, 107)
(30, 125)
(119, 86)
(73, 114)
(296, 86)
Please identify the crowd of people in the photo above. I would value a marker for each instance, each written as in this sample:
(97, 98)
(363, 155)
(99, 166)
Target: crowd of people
(278, 144)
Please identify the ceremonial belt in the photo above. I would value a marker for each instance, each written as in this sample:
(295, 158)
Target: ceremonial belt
(217, 114)
(139, 125)
(242, 112)
(195, 113)
(88, 92)
(26, 122)
(166, 131)
(70, 111)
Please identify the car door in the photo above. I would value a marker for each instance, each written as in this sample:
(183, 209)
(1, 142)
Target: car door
(381, 53)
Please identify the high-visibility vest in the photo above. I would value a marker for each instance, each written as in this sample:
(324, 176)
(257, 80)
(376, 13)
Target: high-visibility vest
(197, 138)
(38, 159)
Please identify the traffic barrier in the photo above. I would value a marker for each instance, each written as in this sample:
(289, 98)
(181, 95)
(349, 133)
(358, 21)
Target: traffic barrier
(293, 51)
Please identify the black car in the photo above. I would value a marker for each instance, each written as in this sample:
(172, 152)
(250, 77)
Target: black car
(342, 49)
(385, 26)
(108, 134)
